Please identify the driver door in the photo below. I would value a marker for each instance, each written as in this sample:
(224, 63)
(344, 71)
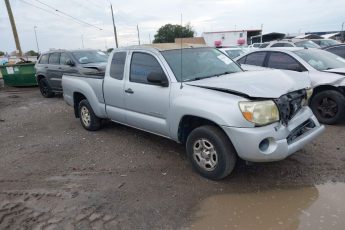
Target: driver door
(147, 104)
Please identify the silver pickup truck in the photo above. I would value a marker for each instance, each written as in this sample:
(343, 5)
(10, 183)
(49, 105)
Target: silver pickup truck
(201, 98)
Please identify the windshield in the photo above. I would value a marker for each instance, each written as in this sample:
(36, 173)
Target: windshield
(199, 63)
(90, 56)
(320, 59)
(328, 42)
(308, 44)
(234, 53)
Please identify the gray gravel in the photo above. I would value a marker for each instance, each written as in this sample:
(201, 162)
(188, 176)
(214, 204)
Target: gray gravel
(55, 174)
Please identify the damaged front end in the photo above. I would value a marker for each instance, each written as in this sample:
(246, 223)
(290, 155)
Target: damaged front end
(290, 104)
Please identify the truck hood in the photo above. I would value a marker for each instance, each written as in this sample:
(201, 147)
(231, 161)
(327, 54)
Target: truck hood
(337, 70)
(257, 84)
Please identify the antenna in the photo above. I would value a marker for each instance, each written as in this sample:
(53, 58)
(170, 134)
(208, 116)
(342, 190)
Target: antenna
(181, 78)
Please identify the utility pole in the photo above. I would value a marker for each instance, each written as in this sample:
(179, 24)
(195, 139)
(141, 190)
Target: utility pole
(13, 25)
(262, 25)
(82, 40)
(342, 32)
(115, 34)
(138, 33)
(38, 49)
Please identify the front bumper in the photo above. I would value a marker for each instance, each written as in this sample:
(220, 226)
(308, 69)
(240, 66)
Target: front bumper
(279, 143)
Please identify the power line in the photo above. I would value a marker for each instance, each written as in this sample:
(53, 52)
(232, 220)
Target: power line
(68, 15)
(48, 11)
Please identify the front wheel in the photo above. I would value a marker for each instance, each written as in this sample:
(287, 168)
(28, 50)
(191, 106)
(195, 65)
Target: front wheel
(211, 152)
(87, 117)
(328, 106)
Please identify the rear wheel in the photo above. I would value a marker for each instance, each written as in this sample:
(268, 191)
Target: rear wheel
(45, 89)
(87, 117)
(211, 152)
(328, 106)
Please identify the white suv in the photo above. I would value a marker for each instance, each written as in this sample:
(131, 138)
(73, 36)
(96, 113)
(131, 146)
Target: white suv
(286, 43)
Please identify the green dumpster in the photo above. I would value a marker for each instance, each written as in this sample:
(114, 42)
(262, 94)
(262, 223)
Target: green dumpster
(19, 74)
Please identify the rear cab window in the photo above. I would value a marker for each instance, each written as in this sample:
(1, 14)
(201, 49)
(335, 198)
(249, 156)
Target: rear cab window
(54, 59)
(118, 65)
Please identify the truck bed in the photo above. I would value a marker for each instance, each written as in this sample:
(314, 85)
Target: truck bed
(88, 85)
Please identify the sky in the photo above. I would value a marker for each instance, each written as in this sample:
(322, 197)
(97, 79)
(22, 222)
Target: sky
(55, 30)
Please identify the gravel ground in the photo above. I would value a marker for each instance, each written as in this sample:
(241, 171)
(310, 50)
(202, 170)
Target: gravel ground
(56, 175)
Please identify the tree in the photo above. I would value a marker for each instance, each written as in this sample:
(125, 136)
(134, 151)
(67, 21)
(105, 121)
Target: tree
(109, 50)
(31, 53)
(169, 32)
(2, 53)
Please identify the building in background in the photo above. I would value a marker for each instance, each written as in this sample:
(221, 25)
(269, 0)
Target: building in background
(267, 37)
(194, 40)
(229, 38)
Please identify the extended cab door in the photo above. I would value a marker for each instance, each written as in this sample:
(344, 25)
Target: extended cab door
(147, 104)
(113, 87)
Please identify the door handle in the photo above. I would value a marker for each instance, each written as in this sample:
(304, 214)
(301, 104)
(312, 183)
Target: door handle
(129, 90)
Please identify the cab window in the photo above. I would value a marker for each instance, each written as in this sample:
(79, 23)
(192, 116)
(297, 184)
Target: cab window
(142, 65)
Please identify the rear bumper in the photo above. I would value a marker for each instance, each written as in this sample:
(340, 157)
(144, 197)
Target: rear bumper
(279, 143)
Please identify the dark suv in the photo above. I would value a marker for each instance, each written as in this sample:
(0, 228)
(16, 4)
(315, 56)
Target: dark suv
(52, 65)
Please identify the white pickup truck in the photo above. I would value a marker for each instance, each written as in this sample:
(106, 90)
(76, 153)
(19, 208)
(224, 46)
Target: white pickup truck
(201, 98)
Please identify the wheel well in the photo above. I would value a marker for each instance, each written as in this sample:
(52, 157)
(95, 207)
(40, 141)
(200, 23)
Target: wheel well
(321, 88)
(188, 123)
(77, 98)
(39, 77)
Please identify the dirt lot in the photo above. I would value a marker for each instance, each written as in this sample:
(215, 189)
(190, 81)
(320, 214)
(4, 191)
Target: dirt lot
(56, 175)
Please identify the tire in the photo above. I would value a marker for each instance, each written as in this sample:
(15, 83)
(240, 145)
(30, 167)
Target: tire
(221, 161)
(45, 89)
(328, 106)
(87, 117)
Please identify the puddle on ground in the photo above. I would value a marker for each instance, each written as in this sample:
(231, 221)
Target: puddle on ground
(319, 207)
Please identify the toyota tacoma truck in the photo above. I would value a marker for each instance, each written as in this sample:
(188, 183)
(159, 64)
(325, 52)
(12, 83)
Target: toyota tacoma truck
(199, 97)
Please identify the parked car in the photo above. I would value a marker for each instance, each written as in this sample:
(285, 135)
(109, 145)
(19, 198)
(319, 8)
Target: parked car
(53, 64)
(325, 42)
(233, 52)
(254, 45)
(325, 70)
(290, 43)
(209, 104)
(336, 49)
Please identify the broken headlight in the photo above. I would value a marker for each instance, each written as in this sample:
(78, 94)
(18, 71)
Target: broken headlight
(309, 92)
(259, 112)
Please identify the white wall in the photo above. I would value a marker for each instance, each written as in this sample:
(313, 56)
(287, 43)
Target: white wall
(227, 38)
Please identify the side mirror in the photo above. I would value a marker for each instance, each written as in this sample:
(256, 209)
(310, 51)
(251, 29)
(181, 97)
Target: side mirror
(158, 78)
(70, 62)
